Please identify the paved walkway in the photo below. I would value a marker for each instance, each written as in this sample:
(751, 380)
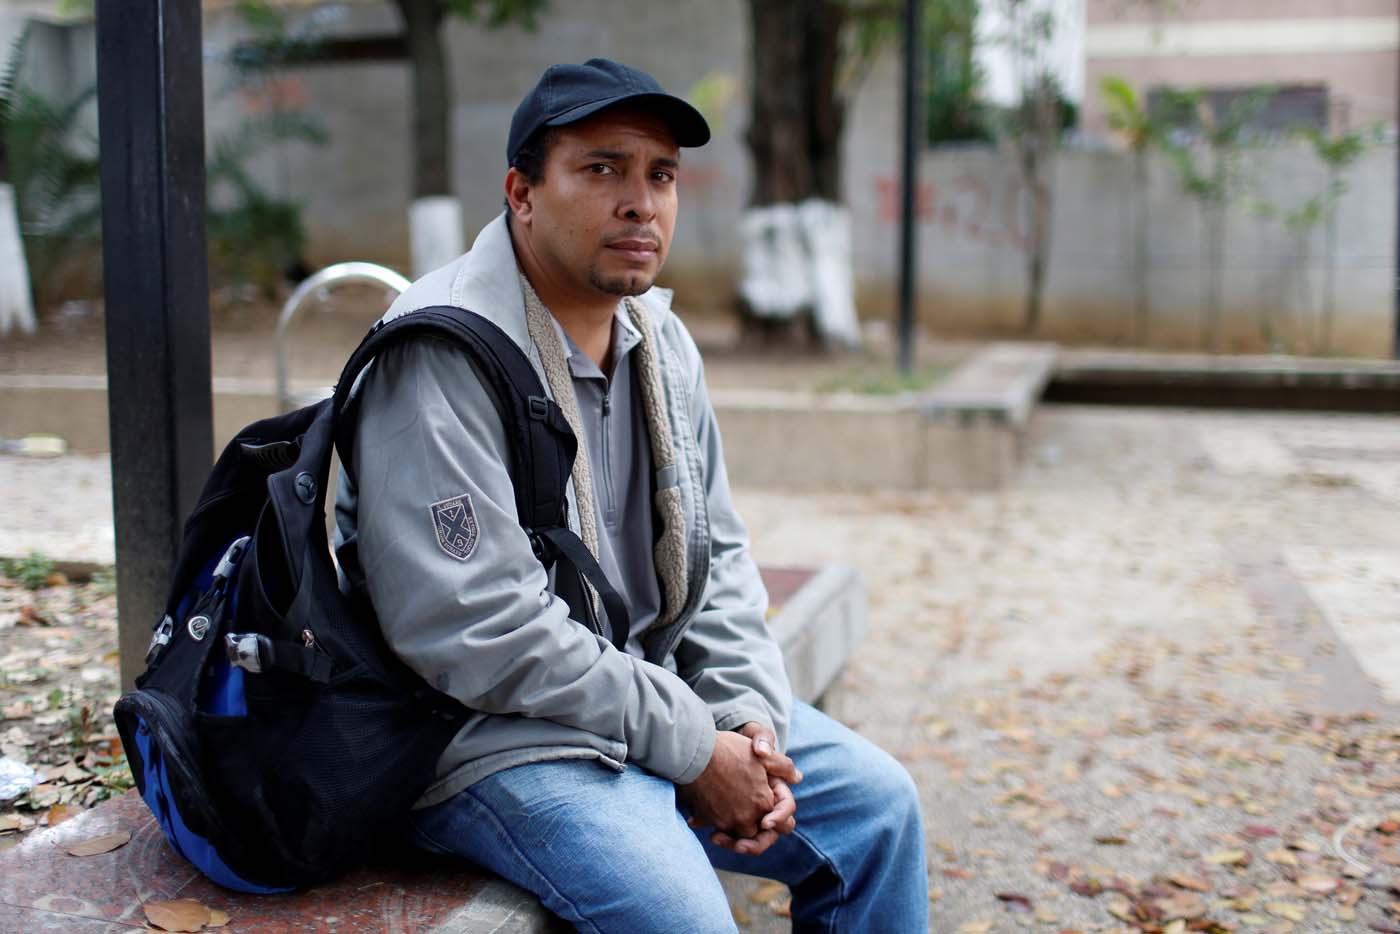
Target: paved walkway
(1170, 651)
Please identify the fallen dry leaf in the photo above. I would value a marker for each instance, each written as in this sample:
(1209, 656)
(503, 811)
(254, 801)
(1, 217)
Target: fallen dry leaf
(182, 914)
(1184, 881)
(1017, 903)
(1184, 905)
(1122, 909)
(1286, 910)
(103, 844)
(17, 711)
(1229, 858)
(1318, 884)
(62, 812)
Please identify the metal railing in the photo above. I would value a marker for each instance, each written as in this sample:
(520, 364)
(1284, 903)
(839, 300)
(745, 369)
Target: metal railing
(318, 286)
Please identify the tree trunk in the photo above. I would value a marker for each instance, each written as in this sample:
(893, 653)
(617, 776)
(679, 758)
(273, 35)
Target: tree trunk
(797, 114)
(432, 99)
(1329, 272)
(1304, 331)
(1140, 298)
(1037, 146)
(795, 234)
(1214, 260)
(1215, 251)
(435, 216)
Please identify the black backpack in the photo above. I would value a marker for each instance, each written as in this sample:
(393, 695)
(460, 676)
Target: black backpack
(275, 735)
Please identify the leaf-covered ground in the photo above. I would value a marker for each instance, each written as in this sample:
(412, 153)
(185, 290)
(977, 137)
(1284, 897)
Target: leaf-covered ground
(1144, 687)
(58, 681)
(1150, 686)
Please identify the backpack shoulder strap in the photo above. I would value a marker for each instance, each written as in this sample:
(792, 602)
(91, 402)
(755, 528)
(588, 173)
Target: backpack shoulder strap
(542, 445)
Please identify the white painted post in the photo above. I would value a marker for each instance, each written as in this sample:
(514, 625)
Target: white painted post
(776, 282)
(828, 229)
(16, 302)
(797, 257)
(435, 232)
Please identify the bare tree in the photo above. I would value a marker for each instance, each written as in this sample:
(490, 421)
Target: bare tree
(1131, 119)
(1030, 130)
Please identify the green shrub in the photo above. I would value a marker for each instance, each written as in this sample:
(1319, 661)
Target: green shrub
(32, 571)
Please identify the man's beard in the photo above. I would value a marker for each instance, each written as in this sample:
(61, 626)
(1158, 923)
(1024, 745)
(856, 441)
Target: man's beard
(622, 286)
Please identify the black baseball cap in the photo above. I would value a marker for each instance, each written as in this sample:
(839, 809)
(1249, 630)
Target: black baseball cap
(567, 93)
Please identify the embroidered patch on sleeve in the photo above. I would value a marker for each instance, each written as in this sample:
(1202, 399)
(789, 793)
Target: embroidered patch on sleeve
(454, 521)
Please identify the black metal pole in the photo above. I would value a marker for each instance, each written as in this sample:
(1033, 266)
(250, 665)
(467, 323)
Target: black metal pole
(909, 171)
(150, 99)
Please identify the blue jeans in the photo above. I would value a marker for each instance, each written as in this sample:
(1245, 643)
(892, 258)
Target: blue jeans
(611, 852)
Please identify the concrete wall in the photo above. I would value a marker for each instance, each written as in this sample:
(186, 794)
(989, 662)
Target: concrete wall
(971, 237)
(973, 250)
(357, 189)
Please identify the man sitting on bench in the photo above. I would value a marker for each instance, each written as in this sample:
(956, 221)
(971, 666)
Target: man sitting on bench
(726, 769)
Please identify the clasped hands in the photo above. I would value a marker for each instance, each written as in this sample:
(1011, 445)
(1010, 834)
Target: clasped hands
(743, 792)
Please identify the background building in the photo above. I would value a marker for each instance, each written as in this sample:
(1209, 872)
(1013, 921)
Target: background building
(1334, 63)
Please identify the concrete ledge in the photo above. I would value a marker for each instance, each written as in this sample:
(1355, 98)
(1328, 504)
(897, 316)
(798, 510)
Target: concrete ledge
(963, 434)
(819, 620)
(75, 407)
(1000, 385)
(819, 628)
(1204, 380)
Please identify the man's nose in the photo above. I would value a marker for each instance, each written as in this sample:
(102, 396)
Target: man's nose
(638, 200)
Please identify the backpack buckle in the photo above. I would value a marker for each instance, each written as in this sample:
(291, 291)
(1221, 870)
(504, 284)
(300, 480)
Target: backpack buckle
(229, 562)
(246, 650)
(160, 638)
(539, 408)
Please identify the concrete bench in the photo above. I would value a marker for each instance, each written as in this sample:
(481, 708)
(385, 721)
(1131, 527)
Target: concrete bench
(819, 621)
(962, 433)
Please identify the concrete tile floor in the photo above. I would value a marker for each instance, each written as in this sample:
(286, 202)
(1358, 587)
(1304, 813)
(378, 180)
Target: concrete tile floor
(1154, 647)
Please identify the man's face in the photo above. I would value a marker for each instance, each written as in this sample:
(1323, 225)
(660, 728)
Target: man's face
(602, 216)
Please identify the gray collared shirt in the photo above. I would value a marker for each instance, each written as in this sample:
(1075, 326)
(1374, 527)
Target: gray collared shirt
(619, 453)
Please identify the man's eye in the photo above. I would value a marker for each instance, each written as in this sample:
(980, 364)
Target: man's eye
(600, 168)
(666, 177)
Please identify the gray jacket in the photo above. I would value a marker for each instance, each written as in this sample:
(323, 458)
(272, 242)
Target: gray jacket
(488, 629)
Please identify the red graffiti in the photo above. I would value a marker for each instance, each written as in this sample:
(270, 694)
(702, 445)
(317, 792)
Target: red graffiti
(968, 207)
(888, 191)
(273, 95)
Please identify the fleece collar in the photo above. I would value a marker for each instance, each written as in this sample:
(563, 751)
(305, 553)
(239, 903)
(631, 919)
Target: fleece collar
(488, 283)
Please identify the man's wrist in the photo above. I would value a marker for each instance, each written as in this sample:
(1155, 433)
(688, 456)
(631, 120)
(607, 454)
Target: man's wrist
(704, 751)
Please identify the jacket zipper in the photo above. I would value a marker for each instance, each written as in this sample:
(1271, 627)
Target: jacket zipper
(609, 499)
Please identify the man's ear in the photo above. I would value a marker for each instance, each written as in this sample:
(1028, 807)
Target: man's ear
(518, 195)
